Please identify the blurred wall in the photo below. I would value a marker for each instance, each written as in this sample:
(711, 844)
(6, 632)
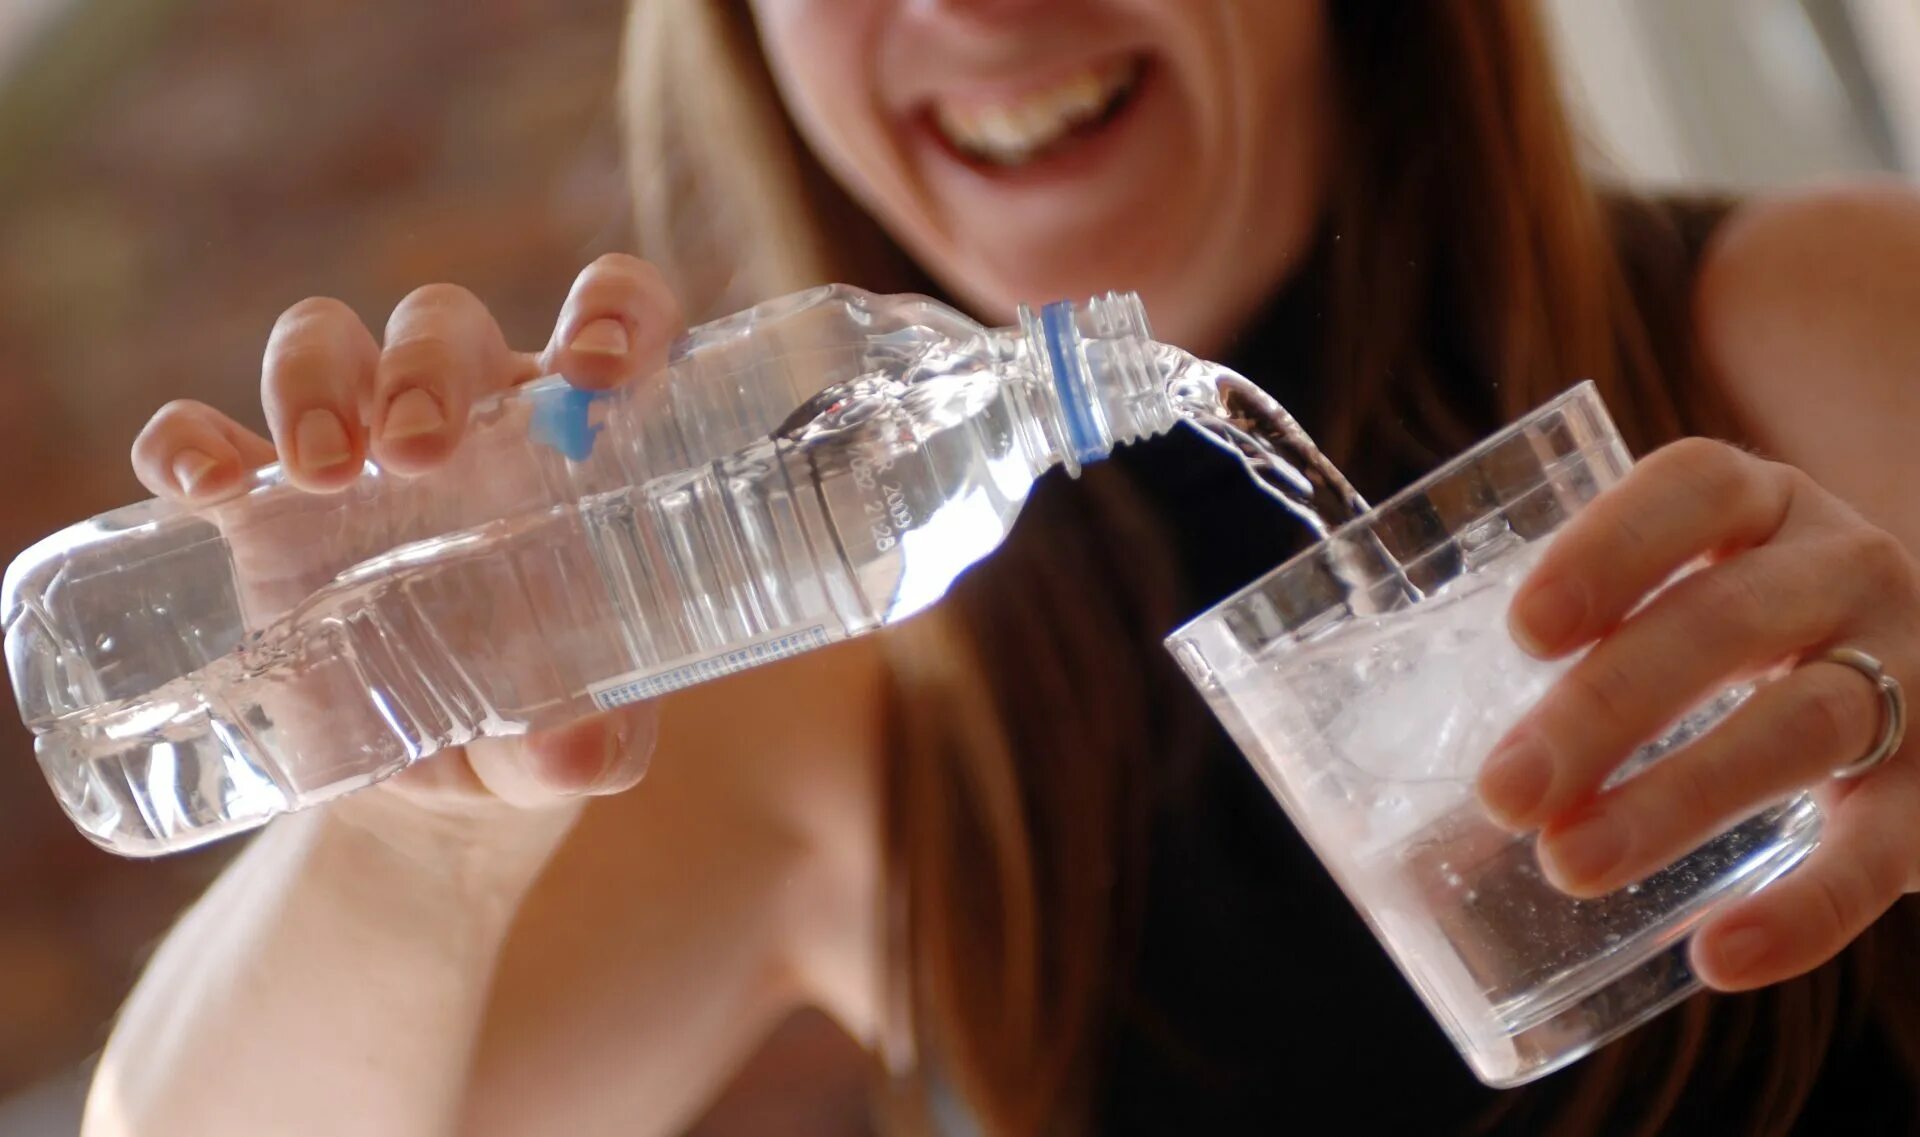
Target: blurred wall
(172, 175)
(1743, 93)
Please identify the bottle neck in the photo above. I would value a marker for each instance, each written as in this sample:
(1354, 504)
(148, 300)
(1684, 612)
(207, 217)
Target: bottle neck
(1099, 371)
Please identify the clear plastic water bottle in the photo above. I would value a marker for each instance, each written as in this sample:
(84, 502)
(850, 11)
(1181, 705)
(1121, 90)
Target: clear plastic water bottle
(189, 673)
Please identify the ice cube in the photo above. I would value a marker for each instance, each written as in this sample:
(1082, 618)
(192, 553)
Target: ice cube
(1435, 687)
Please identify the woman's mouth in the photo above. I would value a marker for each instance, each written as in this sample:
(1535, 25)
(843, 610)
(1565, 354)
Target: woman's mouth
(1040, 122)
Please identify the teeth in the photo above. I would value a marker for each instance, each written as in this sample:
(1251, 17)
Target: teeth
(1014, 132)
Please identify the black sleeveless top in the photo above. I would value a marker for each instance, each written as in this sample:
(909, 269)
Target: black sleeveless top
(1260, 1003)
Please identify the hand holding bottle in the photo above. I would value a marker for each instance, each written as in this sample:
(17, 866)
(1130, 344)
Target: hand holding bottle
(334, 397)
(449, 552)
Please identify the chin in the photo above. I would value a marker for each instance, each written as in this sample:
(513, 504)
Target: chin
(1040, 272)
(1184, 312)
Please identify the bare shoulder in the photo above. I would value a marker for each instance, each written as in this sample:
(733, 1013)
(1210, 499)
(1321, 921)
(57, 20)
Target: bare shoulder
(1793, 286)
(1807, 311)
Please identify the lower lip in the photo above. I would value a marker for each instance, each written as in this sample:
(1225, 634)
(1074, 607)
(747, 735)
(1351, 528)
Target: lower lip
(1073, 158)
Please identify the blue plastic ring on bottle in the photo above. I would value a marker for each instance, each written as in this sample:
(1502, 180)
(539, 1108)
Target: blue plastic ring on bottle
(1083, 432)
(560, 419)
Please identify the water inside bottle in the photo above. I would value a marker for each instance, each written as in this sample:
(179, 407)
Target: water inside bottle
(590, 599)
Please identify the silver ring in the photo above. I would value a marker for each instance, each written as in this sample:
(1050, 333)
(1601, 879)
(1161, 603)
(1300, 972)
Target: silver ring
(1893, 709)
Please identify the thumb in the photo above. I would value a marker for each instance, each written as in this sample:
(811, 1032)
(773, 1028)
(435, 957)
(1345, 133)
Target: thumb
(598, 755)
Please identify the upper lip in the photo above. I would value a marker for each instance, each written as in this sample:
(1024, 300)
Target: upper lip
(919, 92)
(1014, 130)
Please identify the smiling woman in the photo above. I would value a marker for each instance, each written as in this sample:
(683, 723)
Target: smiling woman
(1020, 127)
(1200, 135)
(1001, 845)
(1445, 257)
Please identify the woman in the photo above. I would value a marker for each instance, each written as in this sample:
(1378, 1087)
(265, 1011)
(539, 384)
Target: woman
(1000, 844)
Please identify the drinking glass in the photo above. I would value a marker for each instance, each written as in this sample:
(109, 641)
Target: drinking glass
(1367, 678)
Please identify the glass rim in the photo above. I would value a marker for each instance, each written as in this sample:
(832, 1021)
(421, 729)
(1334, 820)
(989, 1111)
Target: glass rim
(1583, 392)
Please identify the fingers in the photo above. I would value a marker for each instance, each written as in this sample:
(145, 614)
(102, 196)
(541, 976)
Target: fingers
(1686, 499)
(1863, 864)
(314, 383)
(602, 754)
(617, 324)
(1788, 735)
(334, 397)
(443, 351)
(190, 452)
(1734, 618)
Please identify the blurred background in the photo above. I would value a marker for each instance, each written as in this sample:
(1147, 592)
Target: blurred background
(174, 173)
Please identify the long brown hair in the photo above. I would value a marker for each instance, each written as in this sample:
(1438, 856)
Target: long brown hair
(1027, 708)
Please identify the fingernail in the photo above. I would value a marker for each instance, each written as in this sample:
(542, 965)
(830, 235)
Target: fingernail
(610, 752)
(1586, 850)
(1545, 618)
(410, 414)
(191, 467)
(1515, 779)
(320, 440)
(1738, 951)
(616, 750)
(605, 336)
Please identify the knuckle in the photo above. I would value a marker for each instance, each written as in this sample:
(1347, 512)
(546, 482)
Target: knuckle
(298, 366)
(1600, 688)
(1723, 478)
(1844, 898)
(436, 296)
(1877, 557)
(1770, 488)
(1725, 605)
(646, 284)
(1623, 533)
(624, 265)
(1825, 719)
(1790, 477)
(162, 431)
(1833, 906)
(176, 411)
(316, 309)
(1694, 451)
(419, 358)
(1694, 790)
(1699, 458)
(1710, 469)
